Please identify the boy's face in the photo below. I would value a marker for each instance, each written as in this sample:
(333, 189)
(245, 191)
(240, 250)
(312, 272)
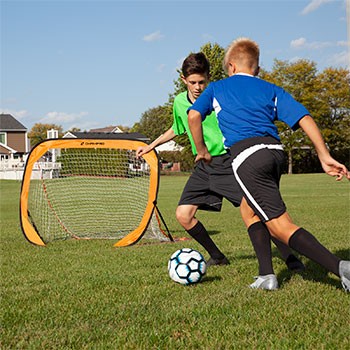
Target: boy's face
(196, 83)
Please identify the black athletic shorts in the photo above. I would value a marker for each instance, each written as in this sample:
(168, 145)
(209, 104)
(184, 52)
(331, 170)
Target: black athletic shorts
(210, 183)
(257, 166)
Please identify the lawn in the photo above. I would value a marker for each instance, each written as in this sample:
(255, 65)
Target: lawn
(88, 295)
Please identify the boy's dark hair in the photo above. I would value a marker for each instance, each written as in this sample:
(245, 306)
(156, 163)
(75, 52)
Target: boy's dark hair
(195, 63)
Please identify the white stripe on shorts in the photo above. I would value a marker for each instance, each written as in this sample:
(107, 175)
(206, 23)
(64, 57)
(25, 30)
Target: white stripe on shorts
(237, 162)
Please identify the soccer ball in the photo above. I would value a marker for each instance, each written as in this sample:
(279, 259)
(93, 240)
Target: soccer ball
(187, 266)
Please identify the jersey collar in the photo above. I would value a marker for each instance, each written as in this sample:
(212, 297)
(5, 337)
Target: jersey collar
(246, 74)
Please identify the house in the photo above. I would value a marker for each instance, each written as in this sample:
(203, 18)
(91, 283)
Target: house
(14, 143)
(106, 135)
(107, 129)
(170, 146)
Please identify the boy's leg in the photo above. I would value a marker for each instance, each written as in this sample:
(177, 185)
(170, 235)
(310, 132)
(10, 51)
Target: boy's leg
(185, 214)
(303, 242)
(292, 262)
(306, 244)
(260, 238)
(197, 194)
(258, 175)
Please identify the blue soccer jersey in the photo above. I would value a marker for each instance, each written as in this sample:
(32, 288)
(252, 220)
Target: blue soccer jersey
(247, 106)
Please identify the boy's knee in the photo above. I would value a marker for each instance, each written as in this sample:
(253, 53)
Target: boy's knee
(184, 215)
(247, 214)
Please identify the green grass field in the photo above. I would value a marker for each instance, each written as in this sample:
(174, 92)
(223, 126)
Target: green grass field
(89, 295)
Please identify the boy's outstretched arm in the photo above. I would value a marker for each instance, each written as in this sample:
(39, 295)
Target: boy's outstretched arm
(195, 124)
(329, 164)
(167, 136)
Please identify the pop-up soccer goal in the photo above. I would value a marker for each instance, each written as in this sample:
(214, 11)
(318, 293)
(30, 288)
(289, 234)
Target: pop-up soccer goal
(91, 188)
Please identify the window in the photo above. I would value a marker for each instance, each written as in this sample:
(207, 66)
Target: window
(3, 137)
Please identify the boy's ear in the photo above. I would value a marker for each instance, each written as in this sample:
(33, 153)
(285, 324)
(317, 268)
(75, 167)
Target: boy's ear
(183, 79)
(231, 69)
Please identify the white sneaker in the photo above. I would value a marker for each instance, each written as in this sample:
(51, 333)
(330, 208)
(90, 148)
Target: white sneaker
(268, 282)
(344, 273)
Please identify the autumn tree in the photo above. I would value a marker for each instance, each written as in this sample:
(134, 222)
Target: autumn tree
(38, 132)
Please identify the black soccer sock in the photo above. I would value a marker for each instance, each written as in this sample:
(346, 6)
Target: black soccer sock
(306, 244)
(200, 234)
(284, 250)
(260, 238)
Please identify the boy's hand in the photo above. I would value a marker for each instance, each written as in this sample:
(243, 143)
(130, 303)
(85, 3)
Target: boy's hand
(141, 151)
(205, 156)
(334, 168)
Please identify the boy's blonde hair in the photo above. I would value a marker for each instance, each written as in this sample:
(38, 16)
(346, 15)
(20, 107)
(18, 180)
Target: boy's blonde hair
(244, 52)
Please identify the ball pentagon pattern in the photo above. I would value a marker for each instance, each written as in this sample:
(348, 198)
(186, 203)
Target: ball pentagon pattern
(187, 266)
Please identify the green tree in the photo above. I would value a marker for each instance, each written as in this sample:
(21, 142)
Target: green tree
(74, 129)
(299, 79)
(154, 121)
(215, 55)
(327, 97)
(38, 132)
(334, 114)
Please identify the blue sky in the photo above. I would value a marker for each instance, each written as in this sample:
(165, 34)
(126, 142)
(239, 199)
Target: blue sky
(91, 64)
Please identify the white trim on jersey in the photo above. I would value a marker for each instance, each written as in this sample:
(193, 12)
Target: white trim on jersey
(237, 162)
(216, 106)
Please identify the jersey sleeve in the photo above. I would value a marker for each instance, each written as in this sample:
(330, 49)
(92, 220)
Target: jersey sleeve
(204, 103)
(288, 110)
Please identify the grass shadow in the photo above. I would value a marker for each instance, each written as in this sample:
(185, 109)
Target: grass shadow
(213, 232)
(315, 272)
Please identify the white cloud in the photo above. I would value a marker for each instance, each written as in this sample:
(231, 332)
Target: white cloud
(314, 5)
(62, 117)
(84, 125)
(340, 59)
(302, 43)
(17, 114)
(343, 43)
(155, 36)
(298, 43)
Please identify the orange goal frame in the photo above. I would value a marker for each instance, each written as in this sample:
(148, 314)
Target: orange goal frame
(151, 158)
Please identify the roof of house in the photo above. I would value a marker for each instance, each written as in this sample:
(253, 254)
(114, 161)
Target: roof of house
(8, 149)
(9, 123)
(104, 135)
(110, 128)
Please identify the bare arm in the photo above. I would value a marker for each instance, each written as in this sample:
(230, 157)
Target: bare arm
(167, 136)
(329, 164)
(195, 124)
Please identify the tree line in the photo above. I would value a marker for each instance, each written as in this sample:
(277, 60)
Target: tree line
(325, 94)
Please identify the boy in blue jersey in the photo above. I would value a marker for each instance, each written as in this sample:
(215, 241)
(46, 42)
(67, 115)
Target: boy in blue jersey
(209, 183)
(246, 108)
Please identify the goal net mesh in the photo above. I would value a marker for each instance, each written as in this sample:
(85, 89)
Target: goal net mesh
(89, 193)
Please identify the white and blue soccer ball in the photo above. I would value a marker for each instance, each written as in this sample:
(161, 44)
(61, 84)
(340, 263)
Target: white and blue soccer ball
(187, 266)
